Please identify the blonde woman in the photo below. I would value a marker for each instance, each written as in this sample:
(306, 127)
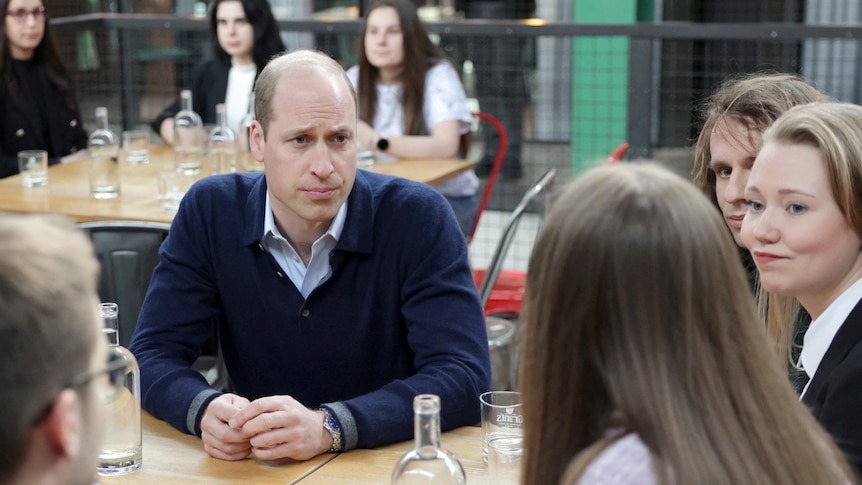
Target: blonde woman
(643, 356)
(804, 230)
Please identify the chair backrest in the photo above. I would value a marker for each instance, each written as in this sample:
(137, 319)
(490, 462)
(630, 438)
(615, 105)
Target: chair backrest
(495, 169)
(128, 252)
(502, 248)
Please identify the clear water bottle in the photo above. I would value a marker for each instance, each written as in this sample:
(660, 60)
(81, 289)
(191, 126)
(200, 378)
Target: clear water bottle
(427, 462)
(103, 171)
(121, 447)
(222, 144)
(247, 161)
(189, 137)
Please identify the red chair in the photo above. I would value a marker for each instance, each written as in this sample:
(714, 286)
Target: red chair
(495, 169)
(501, 291)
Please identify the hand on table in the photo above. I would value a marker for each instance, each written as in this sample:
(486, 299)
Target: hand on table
(221, 440)
(281, 427)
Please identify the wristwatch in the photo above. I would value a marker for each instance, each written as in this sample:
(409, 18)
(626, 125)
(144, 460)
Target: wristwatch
(331, 425)
(382, 144)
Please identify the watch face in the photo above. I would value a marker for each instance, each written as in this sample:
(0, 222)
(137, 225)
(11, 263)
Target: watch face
(382, 144)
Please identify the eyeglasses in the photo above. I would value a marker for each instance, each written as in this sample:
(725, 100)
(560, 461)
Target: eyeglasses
(115, 372)
(21, 15)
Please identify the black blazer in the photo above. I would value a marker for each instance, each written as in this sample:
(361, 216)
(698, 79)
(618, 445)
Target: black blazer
(21, 129)
(835, 392)
(209, 88)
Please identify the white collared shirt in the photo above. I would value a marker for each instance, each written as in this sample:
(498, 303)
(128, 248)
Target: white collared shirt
(820, 333)
(319, 270)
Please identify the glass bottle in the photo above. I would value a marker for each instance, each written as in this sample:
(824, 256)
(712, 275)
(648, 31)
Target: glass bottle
(427, 462)
(103, 171)
(222, 144)
(248, 163)
(121, 447)
(188, 136)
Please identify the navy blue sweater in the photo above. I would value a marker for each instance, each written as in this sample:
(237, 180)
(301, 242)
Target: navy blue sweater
(399, 316)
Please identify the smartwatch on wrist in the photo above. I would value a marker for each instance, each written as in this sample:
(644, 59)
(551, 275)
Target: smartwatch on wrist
(331, 425)
(382, 144)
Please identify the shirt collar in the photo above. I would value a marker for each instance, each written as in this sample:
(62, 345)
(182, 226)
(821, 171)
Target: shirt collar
(819, 336)
(335, 229)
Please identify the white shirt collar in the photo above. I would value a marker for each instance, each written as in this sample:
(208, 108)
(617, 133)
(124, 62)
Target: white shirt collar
(819, 335)
(334, 230)
(304, 278)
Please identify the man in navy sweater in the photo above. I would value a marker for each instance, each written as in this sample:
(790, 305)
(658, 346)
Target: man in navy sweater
(339, 295)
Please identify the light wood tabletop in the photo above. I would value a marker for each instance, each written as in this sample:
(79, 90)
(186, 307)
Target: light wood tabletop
(366, 467)
(67, 191)
(172, 457)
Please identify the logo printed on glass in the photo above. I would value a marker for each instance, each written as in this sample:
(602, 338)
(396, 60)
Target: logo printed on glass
(509, 417)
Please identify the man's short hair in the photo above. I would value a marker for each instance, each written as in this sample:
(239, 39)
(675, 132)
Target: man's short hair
(48, 296)
(307, 61)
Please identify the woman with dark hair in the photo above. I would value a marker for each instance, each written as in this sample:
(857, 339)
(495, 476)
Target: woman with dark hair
(411, 100)
(643, 361)
(37, 104)
(245, 38)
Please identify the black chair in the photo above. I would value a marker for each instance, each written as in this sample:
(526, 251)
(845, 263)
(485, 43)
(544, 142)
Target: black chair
(128, 252)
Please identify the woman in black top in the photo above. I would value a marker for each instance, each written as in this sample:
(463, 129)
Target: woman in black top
(37, 105)
(245, 36)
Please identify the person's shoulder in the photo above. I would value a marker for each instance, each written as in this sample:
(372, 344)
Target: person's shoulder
(206, 67)
(353, 75)
(442, 67)
(626, 461)
(224, 188)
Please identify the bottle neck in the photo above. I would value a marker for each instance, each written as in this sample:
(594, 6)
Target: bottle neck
(102, 121)
(186, 101)
(221, 118)
(110, 318)
(249, 113)
(427, 429)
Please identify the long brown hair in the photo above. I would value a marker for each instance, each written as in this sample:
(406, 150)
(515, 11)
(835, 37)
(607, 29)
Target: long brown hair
(638, 318)
(756, 101)
(420, 54)
(46, 55)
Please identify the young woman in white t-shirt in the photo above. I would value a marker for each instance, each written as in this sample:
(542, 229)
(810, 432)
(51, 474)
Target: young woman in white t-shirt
(411, 99)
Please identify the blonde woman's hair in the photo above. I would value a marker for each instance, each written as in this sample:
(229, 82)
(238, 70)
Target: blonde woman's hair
(638, 317)
(835, 130)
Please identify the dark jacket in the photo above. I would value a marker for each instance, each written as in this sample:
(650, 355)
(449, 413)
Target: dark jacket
(209, 88)
(835, 392)
(58, 130)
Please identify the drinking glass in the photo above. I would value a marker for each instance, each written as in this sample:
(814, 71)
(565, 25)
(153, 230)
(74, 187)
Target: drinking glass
(173, 185)
(33, 167)
(136, 144)
(501, 417)
(504, 459)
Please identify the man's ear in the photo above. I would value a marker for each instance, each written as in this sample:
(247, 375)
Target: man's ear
(257, 141)
(62, 428)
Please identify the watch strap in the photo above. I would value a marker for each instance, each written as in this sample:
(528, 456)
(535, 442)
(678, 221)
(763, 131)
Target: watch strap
(331, 425)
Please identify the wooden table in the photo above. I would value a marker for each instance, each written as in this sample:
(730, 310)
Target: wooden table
(67, 191)
(375, 466)
(172, 457)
